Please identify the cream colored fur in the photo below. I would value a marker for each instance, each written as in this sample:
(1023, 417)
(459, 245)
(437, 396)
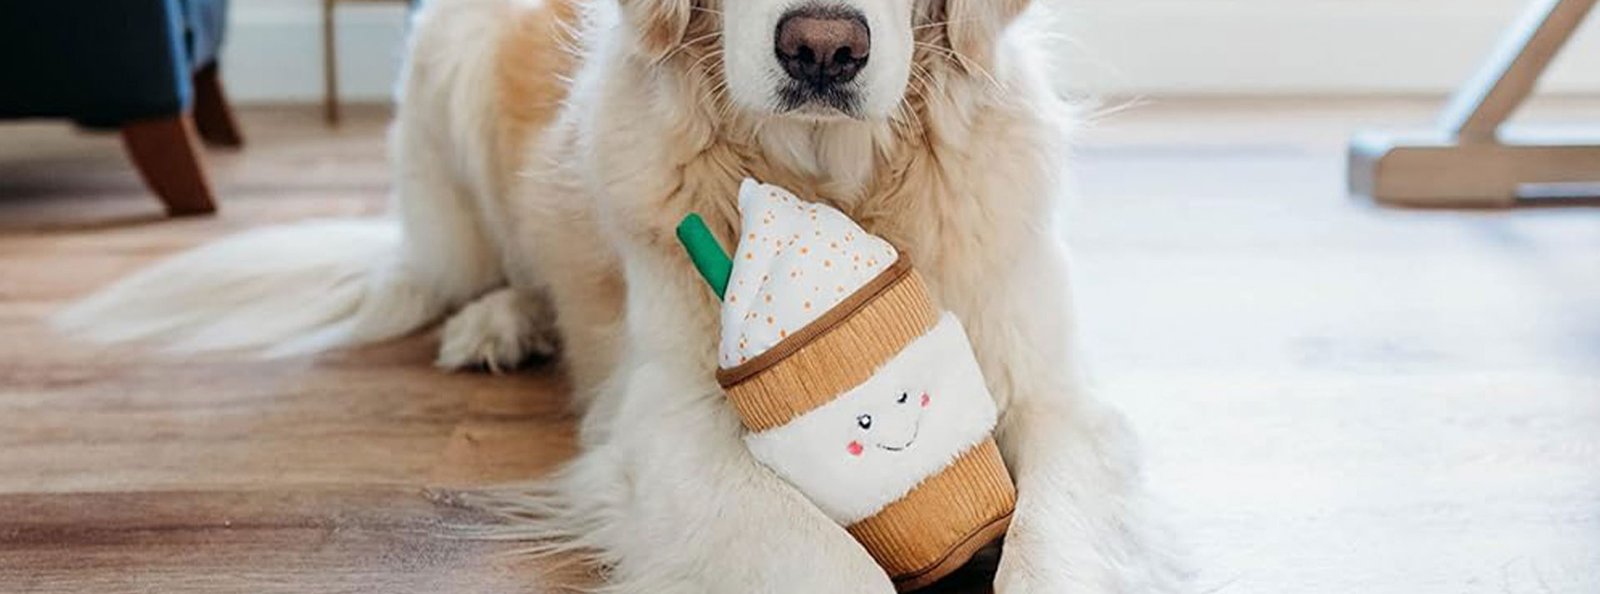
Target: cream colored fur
(555, 180)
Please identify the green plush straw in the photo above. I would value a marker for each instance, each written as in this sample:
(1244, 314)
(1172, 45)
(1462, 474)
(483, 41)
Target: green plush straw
(713, 263)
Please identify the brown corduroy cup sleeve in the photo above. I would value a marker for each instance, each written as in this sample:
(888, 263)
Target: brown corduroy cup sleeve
(942, 523)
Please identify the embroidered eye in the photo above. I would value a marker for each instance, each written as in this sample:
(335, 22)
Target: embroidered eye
(903, 398)
(865, 421)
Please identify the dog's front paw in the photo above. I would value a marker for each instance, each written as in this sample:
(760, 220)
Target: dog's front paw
(1057, 557)
(1030, 565)
(771, 563)
(736, 573)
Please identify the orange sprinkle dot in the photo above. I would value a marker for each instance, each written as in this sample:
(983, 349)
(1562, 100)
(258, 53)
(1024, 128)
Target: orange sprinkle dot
(771, 320)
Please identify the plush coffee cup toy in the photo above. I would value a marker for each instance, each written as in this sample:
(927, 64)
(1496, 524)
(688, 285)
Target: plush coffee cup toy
(854, 386)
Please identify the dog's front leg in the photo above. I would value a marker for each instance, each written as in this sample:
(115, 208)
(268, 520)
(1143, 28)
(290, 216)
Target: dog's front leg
(1081, 524)
(694, 512)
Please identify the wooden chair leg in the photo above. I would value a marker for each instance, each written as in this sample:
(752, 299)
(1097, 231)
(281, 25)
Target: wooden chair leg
(1479, 109)
(212, 114)
(168, 156)
(1470, 160)
(330, 64)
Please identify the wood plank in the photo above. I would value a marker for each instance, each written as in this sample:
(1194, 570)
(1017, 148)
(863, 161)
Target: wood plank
(369, 539)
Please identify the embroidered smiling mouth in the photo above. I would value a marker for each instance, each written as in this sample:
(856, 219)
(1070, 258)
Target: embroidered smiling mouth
(915, 431)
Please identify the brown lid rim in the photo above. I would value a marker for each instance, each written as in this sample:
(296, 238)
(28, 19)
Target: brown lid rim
(789, 346)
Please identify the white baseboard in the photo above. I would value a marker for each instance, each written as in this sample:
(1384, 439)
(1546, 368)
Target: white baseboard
(1144, 47)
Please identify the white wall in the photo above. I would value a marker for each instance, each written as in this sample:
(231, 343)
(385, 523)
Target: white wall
(1147, 47)
(1300, 46)
(274, 50)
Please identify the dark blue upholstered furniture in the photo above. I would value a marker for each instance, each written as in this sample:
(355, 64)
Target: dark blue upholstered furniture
(145, 67)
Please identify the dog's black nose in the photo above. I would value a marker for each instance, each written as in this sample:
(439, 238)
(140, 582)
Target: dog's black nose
(823, 47)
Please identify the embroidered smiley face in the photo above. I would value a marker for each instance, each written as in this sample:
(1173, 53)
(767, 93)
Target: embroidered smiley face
(893, 427)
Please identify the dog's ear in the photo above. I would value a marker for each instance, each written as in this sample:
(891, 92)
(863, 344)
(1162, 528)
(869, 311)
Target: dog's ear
(660, 24)
(975, 26)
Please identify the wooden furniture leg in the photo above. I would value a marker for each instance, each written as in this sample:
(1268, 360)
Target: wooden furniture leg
(168, 156)
(330, 64)
(212, 113)
(1469, 160)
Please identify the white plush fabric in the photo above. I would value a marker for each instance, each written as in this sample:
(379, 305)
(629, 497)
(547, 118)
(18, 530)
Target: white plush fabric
(796, 260)
(851, 472)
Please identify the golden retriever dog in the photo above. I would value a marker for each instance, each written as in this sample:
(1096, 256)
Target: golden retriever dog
(545, 151)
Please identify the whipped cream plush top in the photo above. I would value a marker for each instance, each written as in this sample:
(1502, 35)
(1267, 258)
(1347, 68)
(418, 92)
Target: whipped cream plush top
(796, 261)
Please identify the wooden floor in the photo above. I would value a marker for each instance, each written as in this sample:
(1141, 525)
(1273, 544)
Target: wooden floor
(1334, 397)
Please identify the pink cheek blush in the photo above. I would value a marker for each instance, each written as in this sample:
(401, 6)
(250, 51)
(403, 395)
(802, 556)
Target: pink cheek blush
(855, 448)
(925, 400)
